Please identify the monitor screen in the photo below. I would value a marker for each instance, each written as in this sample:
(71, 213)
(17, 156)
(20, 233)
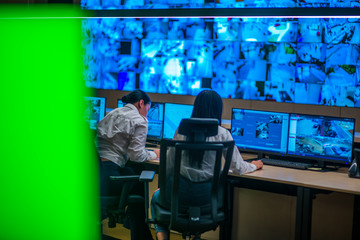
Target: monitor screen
(120, 103)
(321, 138)
(95, 110)
(156, 121)
(311, 60)
(173, 114)
(262, 131)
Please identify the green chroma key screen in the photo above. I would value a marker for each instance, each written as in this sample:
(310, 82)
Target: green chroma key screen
(48, 172)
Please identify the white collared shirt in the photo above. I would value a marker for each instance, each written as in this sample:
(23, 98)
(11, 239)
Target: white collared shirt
(122, 135)
(238, 165)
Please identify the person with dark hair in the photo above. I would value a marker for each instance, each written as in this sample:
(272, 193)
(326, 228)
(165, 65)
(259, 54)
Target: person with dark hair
(121, 138)
(208, 104)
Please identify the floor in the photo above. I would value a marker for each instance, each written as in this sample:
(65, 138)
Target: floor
(121, 233)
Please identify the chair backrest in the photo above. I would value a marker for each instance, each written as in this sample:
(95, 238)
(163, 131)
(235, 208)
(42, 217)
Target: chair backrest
(195, 206)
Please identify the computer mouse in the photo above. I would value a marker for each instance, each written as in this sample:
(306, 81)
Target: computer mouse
(353, 170)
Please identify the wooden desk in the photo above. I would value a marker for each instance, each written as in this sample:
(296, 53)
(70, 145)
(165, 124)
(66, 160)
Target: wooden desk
(304, 184)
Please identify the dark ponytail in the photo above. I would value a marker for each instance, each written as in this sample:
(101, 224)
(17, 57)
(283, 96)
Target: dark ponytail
(208, 104)
(136, 96)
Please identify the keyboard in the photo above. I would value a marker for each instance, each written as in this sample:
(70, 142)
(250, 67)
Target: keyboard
(285, 163)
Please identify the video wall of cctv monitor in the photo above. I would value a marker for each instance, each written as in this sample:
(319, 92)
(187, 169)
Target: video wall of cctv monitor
(298, 60)
(173, 114)
(155, 120)
(321, 138)
(94, 111)
(260, 131)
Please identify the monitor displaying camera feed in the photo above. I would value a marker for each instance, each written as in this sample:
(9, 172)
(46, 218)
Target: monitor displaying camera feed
(320, 137)
(120, 103)
(173, 114)
(262, 131)
(156, 121)
(95, 110)
(293, 60)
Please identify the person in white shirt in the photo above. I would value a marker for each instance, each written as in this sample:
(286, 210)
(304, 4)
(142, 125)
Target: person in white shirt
(208, 104)
(121, 138)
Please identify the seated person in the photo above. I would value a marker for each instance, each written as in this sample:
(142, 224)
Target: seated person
(208, 104)
(121, 137)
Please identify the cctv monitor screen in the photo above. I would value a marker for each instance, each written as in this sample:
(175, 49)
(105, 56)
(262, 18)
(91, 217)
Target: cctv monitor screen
(120, 103)
(260, 131)
(321, 137)
(174, 112)
(95, 110)
(156, 121)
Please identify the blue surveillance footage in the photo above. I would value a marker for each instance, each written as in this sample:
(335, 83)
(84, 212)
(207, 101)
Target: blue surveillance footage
(95, 110)
(181, 4)
(260, 130)
(321, 137)
(156, 119)
(120, 103)
(294, 60)
(173, 115)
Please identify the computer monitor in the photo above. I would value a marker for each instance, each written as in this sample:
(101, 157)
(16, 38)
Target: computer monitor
(173, 114)
(321, 138)
(156, 121)
(120, 103)
(95, 110)
(260, 131)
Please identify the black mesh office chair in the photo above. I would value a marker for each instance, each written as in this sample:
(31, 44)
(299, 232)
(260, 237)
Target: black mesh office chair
(114, 207)
(192, 218)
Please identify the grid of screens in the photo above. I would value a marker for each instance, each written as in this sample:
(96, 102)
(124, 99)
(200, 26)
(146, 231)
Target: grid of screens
(259, 130)
(173, 114)
(163, 4)
(313, 137)
(94, 111)
(308, 61)
(321, 137)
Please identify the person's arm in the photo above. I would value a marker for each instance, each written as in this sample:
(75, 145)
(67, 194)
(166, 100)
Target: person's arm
(258, 163)
(136, 149)
(238, 165)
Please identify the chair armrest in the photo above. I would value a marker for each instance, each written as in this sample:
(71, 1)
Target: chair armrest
(147, 176)
(125, 178)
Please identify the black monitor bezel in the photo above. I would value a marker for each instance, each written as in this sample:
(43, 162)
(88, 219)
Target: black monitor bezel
(259, 151)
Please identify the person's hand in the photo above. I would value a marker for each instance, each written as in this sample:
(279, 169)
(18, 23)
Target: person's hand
(157, 152)
(258, 163)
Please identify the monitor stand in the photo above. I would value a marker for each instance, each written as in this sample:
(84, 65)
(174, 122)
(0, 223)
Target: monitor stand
(326, 168)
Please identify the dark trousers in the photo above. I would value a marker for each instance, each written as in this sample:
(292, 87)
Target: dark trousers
(135, 213)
